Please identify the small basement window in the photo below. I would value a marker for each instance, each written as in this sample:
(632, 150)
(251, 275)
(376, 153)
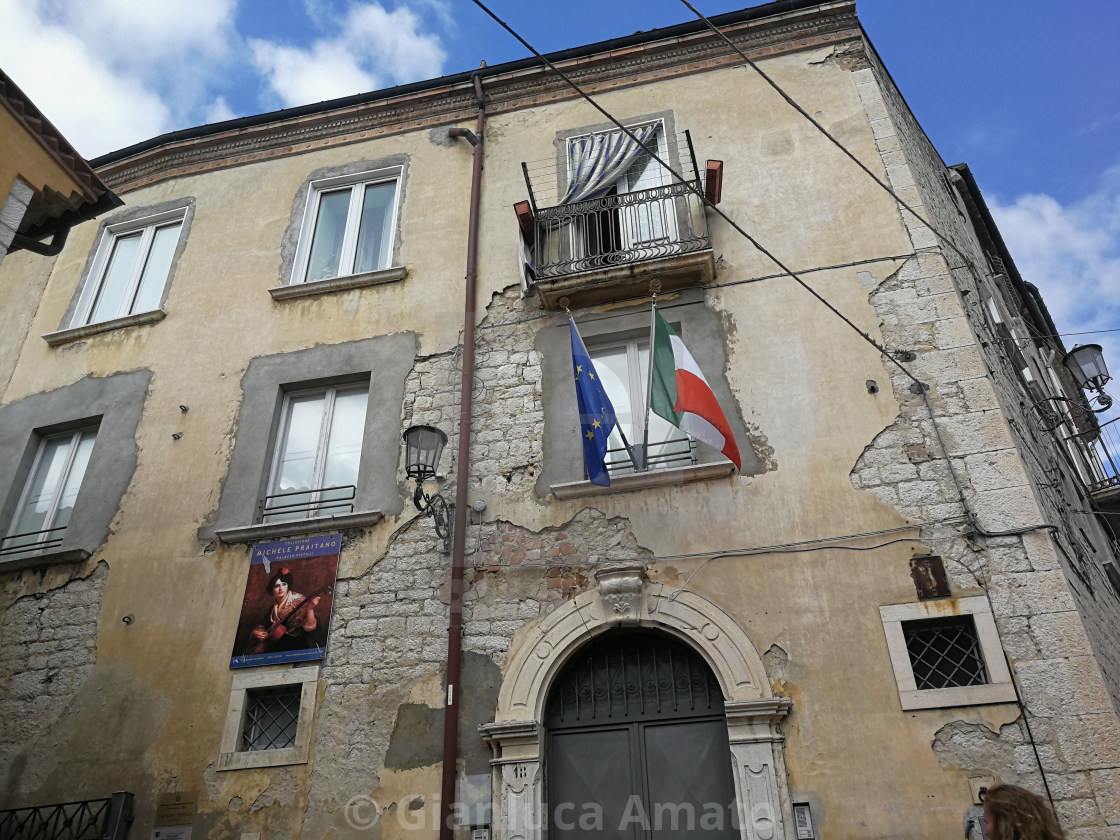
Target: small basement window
(944, 653)
(268, 723)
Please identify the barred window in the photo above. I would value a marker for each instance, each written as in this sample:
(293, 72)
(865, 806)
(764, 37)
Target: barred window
(944, 653)
(271, 718)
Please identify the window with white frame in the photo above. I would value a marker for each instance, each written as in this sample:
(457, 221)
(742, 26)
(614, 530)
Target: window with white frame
(268, 723)
(348, 226)
(130, 268)
(318, 452)
(623, 369)
(946, 653)
(48, 497)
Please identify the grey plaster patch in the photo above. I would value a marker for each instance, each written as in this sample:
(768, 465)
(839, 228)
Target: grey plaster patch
(131, 214)
(113, 405)
(236, 803)
(439, 136)
(866, 278)
(290, 241)
(385, 360)
(417, 739)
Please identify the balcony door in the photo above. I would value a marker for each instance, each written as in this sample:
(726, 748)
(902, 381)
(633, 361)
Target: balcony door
(637, 744)
(625, 223)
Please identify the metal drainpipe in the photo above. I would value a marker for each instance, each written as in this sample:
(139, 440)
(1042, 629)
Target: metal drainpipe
(458, 551)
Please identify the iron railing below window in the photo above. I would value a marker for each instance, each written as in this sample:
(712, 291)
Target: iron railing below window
(670, 453)
(89, 819)
(28, 542)
(303, 504)
(618, 230)
(1103, 445)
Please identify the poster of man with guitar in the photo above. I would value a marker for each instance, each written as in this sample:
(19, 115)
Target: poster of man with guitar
(288, 596)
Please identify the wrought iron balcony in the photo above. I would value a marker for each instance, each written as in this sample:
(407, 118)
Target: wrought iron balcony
(1102, 473)
(648, 225)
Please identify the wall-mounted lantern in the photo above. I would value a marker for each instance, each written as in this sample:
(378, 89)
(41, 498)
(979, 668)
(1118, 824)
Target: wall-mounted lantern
(423, 448)
(1086, 363)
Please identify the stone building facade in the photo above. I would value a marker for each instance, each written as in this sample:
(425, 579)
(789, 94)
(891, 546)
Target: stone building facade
(802, 586)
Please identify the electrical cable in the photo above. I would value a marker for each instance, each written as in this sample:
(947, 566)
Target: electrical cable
(695, 190)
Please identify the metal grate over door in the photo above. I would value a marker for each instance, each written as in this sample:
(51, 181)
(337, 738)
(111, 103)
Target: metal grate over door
(633, 676)
(90, 819)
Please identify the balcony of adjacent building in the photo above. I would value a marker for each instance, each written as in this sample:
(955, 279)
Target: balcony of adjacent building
(604, 218)
(1100, 448)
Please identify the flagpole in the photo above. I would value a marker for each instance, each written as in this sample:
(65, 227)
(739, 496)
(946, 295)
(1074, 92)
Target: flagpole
(649, 378)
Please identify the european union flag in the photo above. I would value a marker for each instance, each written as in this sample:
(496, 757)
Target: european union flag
(596, 414)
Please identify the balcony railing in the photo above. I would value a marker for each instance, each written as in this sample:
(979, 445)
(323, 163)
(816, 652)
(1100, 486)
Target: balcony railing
(15, 545)
(91, 819)
(618, 230)
(1103, 446)
(304, 504)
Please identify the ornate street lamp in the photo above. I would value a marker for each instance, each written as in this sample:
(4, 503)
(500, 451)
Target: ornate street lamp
(423, 448)
(1086, 363)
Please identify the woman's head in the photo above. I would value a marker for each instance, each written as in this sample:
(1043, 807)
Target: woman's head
(280, 583)
(1014, 813)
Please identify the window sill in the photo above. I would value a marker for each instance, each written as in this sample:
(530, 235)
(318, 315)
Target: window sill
(339, 284)
(60, 337)
(43, 559)
(298, 527)
(658, 478)
(965, 695)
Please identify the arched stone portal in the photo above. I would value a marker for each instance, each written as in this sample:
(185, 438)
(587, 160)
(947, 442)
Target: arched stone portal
(624, 596)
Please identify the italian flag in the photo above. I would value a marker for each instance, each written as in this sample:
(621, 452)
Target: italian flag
(680, 393)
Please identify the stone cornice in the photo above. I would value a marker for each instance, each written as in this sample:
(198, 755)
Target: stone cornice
(820, 25)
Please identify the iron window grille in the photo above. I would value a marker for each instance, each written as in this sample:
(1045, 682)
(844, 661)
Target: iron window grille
(271, 718)
(944, 653)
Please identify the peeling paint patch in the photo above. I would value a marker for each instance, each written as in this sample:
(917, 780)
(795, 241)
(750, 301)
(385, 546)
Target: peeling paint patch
(974, 747)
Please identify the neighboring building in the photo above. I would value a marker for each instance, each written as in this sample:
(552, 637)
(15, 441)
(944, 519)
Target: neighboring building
(46, 186)
(908, 589)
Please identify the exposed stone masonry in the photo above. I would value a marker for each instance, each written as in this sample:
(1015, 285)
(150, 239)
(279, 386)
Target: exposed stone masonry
(973, 387)
(48, 647)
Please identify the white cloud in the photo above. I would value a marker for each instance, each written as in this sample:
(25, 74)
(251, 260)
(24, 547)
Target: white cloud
(1072, 253)
(300, 76)
(97, 108)
(146, 34)
(219, 111)
(373, 47)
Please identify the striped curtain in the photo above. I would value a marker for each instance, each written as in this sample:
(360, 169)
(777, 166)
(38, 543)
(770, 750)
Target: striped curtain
(596, 161)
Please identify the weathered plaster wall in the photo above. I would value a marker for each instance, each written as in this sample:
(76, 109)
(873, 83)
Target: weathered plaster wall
(796, 373)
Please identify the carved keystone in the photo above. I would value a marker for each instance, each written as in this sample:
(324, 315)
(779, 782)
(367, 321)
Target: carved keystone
(620, 588)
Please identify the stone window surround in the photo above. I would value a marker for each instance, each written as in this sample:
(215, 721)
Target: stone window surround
(384, 362)
(294, 245)
(114, 405)
(625, 596)
(232, 757)
(998, 689)
(122, 222)
(564, 474)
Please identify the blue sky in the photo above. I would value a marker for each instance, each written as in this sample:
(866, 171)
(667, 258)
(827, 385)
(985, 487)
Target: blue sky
(1024, 91)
